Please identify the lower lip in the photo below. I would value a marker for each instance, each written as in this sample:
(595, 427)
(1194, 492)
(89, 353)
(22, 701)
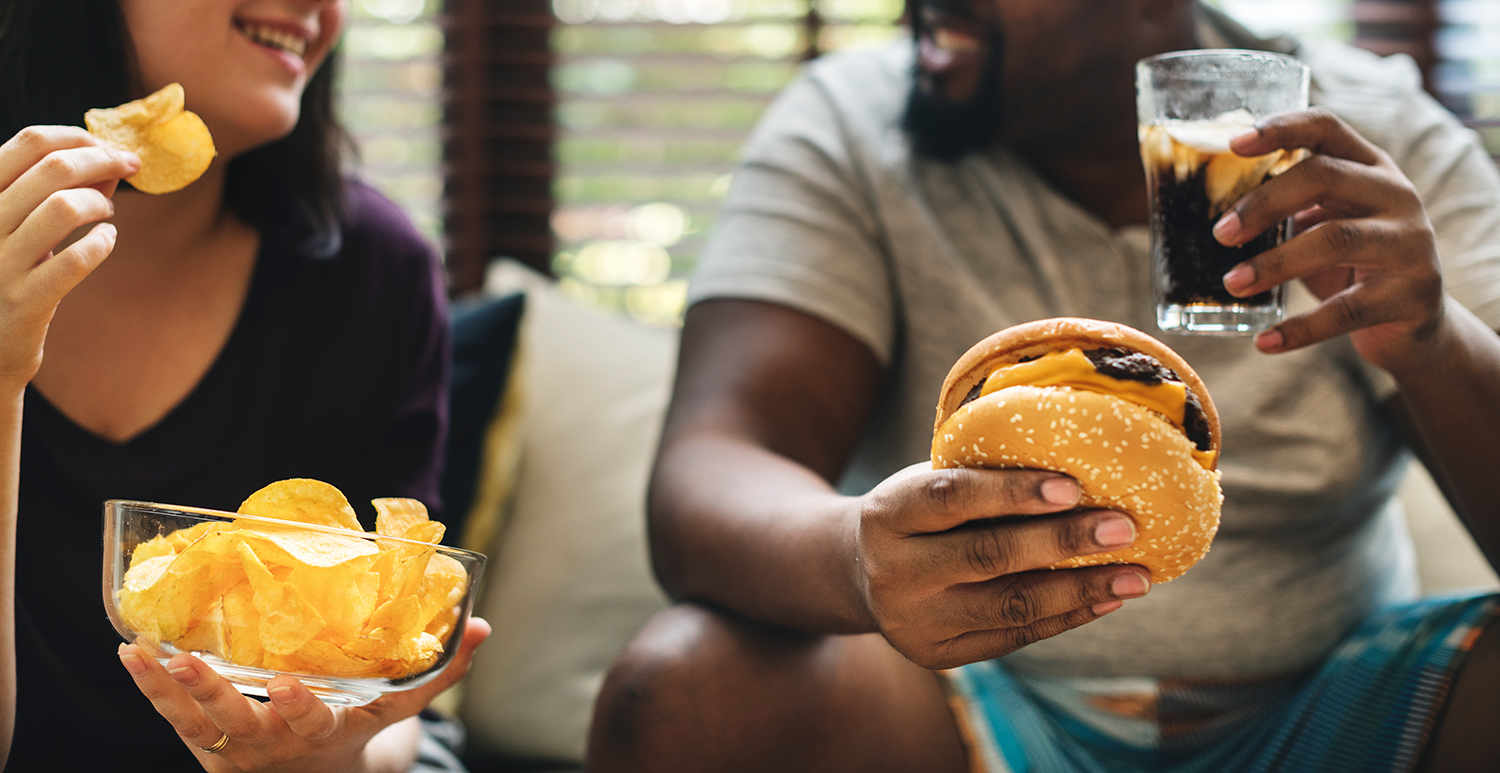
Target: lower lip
(293, 64)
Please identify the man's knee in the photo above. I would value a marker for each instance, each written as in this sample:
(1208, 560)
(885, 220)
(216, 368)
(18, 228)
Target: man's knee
(682, 682)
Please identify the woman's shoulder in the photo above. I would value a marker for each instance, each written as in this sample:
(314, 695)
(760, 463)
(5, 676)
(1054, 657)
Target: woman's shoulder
(372, 224)
(377, 259)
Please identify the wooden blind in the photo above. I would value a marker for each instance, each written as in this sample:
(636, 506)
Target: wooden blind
(388, 92)
(521, 156)
(655, 100)
(1456, 43)
(497, 147)
(1399, 26)
(513, 168)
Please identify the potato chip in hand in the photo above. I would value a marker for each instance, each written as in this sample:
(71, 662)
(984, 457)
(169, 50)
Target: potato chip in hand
(174, 146)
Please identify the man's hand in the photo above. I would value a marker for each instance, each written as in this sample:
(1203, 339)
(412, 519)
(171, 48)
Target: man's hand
(1364, 244)
(947, 561)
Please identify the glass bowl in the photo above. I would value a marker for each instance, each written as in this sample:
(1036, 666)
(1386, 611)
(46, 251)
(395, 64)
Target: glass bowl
(352, 615)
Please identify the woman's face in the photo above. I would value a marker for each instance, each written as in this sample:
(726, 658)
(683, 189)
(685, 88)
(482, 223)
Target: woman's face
(242, 63)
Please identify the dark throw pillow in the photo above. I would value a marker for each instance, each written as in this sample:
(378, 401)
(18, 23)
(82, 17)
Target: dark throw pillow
(484, 342)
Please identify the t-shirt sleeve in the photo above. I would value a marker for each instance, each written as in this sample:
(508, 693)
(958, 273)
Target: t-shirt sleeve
(798, 227)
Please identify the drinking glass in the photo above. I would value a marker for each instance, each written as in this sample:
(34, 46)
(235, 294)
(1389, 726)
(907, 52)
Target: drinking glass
(1190, 104)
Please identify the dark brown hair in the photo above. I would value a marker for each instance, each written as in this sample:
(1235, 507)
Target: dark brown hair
(58, 58)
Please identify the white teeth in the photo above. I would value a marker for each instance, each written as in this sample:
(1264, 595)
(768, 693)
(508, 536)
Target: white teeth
(275, 38)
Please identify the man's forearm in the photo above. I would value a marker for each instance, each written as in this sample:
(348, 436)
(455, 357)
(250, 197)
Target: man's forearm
(738, 526)
(1453, 403)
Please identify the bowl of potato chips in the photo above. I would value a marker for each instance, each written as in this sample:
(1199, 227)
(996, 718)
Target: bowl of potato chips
(291, 584)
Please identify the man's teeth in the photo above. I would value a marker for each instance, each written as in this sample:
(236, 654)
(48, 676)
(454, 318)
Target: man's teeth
(955, 42)
(275, 38)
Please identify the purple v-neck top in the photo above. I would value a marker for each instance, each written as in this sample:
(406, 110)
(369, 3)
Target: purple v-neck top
(336, 369)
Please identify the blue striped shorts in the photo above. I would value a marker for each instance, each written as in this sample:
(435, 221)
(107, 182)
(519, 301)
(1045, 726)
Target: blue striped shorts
(1369, 706)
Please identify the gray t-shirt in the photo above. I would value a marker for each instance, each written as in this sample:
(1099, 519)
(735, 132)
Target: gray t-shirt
(830, 214)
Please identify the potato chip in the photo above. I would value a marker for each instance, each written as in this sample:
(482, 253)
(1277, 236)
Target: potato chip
(324, 658)
(242, 624)
(287, 598)
(299, 547)
(135, 596)
(180, 539)
(191, 584)
(209, 634)
(394, 515)
(174, 146)
(152, 548)
(343, 596)
(287, 620)
(302, 500)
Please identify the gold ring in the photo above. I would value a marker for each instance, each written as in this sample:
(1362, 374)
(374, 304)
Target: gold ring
(218, 745)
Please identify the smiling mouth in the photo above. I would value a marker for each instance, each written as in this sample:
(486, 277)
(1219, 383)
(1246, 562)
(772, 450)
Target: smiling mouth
(274, 38)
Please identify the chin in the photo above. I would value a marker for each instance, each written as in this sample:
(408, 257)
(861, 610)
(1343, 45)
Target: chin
(254, 130)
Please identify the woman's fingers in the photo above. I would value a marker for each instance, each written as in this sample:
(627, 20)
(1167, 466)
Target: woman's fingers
(226, 709)
(204, 707)
(33, 143)
(61, 170)
(304, 714)
(169, 698)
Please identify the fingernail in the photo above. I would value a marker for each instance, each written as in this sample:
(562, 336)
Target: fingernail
(1227, 228)
(1239, 278)
(1114, 532)
(130, 159)
(1060, 491)
(1105, 607)
(132, 662)
(1270, 341)
(185, 676)
(281, 693)
(1130, 585)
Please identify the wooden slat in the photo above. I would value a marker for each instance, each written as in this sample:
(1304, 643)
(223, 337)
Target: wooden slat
(1399, 27)
(498, 103)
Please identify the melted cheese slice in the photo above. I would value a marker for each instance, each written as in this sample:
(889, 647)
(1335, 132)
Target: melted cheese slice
(1071, 368)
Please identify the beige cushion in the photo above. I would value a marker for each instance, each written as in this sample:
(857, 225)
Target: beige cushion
(568, 580)
(1446, 555)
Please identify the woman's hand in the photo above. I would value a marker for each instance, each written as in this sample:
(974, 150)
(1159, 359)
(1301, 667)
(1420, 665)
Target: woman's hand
(53, 181)
(1364, 245)
(293, 731)
(947, 561)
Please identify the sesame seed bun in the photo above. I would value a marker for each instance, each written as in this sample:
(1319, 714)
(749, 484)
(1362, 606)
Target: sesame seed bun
(1124, 456)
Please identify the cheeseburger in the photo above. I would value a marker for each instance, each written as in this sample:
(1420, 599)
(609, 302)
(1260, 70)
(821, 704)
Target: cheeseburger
(1110, 406)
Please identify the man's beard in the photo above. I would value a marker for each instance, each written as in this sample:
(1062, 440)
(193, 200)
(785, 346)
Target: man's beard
(947, 131)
